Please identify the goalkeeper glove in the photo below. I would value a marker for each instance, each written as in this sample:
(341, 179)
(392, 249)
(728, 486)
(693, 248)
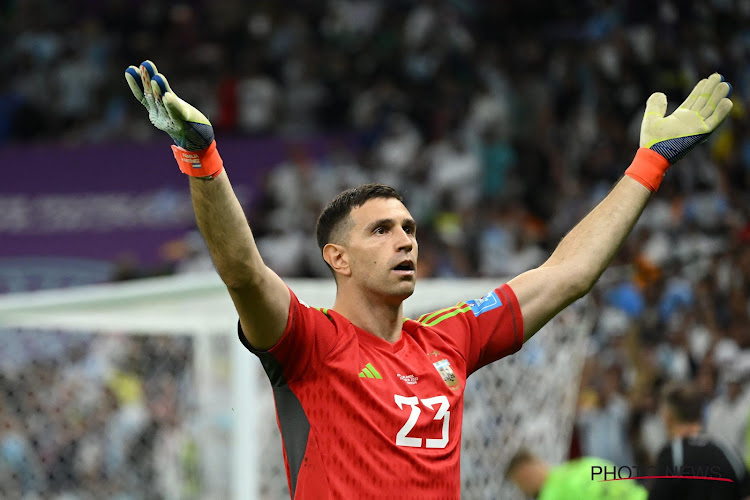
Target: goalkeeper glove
(195, 149)
(665, 140)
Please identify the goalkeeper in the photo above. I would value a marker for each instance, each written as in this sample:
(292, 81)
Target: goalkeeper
(369, 403)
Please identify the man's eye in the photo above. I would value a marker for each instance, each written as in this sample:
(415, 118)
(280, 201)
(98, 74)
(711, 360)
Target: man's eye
(379, 230)
(408, 230)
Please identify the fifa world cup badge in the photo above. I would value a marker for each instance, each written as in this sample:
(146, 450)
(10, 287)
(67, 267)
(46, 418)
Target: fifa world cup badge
(444, 369)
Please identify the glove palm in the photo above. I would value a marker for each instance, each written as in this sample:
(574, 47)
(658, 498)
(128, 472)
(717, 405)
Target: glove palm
(690, 124)
(188, 127)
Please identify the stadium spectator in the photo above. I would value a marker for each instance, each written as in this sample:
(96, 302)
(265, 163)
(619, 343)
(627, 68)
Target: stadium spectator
(697, 462)
(727, 413)
(96, 419)
(603, 426)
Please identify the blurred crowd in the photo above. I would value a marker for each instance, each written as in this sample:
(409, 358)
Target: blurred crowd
(503, 123)
(97, 416)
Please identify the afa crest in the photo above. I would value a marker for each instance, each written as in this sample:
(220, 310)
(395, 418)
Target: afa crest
(444, 369)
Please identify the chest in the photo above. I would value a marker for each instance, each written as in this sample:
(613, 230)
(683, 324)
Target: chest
(416, 370)
(413, 398)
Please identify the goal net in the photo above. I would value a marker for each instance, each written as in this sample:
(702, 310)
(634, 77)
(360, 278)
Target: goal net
(141, 390)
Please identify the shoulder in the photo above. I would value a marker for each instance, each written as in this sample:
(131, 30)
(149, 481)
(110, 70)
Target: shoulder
(449, 324)
(713, 449)
(452, 315)
(704, 442)
(325, 313)
(489, 305)
(447, 336)
(315, 317)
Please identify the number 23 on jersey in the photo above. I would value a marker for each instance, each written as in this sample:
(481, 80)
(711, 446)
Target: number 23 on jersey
(441, 412)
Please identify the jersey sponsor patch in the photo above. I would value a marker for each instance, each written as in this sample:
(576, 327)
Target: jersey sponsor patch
(487, 303)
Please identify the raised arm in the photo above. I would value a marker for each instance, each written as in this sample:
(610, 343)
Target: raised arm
(586, 251)
(259, 295)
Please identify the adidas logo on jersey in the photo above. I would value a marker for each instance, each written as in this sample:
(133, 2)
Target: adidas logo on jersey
(369, 371)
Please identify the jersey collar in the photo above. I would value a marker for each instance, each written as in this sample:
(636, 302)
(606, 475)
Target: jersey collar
(373, 340)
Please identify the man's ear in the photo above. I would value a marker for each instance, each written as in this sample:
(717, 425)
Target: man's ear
(337, 257)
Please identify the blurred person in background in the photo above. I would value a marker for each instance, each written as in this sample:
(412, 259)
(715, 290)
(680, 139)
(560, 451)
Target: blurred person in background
(571, 480)
(602, 423)
(691, 452)
(727, 413)
(646, 426)
(20, 472)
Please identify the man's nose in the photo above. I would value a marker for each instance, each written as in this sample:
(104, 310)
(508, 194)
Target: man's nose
(405, 241)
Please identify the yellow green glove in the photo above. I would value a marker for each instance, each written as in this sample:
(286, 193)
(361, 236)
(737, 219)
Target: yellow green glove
(187, 126)
(702, 112)
(666, 139)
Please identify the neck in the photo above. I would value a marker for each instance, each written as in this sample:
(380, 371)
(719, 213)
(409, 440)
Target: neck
(381, 318)
(683, 430)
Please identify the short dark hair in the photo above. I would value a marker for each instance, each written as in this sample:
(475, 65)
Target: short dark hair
(522, 457)
(334, 215)
(684, 400)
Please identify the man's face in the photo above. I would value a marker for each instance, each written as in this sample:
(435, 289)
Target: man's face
(382, 248)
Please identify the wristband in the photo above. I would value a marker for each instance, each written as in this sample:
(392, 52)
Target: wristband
(648, 168)
(203, 163)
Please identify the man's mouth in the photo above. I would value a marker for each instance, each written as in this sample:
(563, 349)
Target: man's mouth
(405, 268)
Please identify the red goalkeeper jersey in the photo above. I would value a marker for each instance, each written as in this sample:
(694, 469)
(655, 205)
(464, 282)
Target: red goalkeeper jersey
(363, 418)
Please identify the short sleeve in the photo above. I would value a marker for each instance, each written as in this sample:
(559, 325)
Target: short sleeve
(310, 335)
(481, 330)
(496, 328)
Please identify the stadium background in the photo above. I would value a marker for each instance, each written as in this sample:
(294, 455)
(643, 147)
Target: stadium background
(502, 124)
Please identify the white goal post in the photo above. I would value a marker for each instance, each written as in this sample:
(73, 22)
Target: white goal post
(526, 399)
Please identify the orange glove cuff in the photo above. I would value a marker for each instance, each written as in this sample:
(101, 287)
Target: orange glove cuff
(648, 168)
(203, 163)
